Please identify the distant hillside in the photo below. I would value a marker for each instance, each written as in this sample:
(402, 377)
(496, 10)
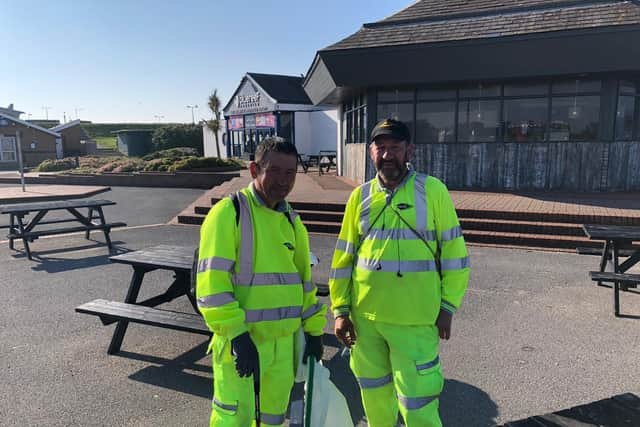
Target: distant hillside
(98, 130)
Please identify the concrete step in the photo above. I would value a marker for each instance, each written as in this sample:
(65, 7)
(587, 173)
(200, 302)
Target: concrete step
(192, 219)
(528, 240)
(531, 227)
(548, 217)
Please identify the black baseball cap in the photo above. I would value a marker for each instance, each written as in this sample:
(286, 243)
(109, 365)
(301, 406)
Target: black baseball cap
(394, 128)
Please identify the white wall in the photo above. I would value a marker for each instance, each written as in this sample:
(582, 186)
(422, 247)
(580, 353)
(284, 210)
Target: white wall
(210, 142)
(316, 131)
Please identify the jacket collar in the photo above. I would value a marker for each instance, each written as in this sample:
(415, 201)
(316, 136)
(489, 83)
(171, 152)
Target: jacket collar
(411, 172)
(282, 206)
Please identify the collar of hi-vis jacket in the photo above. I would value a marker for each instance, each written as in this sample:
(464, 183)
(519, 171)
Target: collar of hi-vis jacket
(282, 206)
(381, 187)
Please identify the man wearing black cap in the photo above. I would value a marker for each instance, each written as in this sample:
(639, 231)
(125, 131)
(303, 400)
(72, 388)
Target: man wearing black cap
(399, 271)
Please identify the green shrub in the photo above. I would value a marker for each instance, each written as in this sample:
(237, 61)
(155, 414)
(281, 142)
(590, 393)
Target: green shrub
(171, 153)
(191, 163)
(189, 135)
(56, 165)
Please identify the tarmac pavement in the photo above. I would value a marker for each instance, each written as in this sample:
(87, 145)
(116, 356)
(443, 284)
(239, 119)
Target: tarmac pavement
(534, 334)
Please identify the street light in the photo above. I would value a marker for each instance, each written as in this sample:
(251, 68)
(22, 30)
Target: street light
(193, 120)
(76, 110)
(46, 110)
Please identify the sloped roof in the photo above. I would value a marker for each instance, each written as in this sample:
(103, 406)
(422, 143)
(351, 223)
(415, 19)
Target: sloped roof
(432, 21)
(63, 126)
(283, 89)
(29, 125)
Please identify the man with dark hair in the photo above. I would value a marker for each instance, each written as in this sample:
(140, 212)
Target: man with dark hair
(399, 271)
(254, 291)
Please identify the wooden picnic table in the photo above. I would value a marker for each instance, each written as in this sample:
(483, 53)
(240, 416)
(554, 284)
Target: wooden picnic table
(24, 218)
(175, 259)
(324, 159)
(616, 240)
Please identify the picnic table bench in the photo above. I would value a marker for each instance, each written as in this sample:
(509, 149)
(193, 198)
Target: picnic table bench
(618, 241)
(324, 159)
(23, 227)
(176, 259)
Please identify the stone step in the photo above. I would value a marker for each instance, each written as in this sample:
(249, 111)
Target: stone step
(531, 227)
(557, 217)
(528, 240)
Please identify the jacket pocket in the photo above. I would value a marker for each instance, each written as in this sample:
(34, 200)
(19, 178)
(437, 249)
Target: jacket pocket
(427, 367)
(225, 408)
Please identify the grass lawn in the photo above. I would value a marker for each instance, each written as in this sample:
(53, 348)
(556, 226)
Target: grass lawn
(106, 141)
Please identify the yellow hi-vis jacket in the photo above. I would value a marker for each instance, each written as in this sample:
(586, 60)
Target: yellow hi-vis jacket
(390, 248)
(256, 275)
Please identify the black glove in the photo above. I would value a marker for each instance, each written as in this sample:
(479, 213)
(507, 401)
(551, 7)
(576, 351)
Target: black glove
(314, 347)
(246, 354)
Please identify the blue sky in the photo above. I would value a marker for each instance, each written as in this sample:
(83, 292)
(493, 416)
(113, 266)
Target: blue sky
(131, 61)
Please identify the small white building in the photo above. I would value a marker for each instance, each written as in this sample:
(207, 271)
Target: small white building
(268, 104)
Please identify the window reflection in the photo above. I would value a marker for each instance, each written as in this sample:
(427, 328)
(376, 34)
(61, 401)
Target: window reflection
(575, 118)
(525, 119)
(478, 121)
(435, 121)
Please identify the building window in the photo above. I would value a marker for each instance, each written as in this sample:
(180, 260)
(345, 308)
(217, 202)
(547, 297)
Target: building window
(354, 119)
(8, 149)
(575, 110)
(478, 120)
(628, 112)
(435, 121)
(525, 111)
(525, 120)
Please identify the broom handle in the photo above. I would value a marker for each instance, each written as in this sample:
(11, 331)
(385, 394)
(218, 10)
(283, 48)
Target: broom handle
(308, 399)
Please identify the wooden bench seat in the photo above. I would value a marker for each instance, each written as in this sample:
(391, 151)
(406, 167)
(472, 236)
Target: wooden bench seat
(113, 310)
(607, 276)
(32, 235)
(598, 251)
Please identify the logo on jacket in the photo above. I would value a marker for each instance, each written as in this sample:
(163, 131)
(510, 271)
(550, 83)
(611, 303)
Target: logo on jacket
(289, 246)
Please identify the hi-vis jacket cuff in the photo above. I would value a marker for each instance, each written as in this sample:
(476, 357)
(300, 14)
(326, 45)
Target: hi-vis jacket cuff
(341, 311)
(448, 307)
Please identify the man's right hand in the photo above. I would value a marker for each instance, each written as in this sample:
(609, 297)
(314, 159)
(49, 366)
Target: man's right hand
(345, 331)
(246, 354)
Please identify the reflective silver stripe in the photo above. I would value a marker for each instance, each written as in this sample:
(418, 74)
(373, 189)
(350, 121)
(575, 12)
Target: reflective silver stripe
(392, 266)
(246, 242)
(451, 233)
(375, 382)
(420, 200)
(272, 419)
(365, 205)
(340, 273)
(293, 215)
(428, 365)
(344, 246)
(293, 312)
(399, 233)
(256, 279)
(416, 402)
(216, 300)
(215, 263)
(311, 310)
(455, 263)
(224, 406)
(308, 287)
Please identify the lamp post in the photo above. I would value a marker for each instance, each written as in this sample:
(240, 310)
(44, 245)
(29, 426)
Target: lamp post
(193, 121)
(46, 111)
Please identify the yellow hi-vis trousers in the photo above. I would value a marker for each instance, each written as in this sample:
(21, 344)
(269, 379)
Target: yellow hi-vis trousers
(398, 368)
(233, 397)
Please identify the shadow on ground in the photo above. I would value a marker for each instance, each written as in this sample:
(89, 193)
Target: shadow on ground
(52, 264)
(170, 373)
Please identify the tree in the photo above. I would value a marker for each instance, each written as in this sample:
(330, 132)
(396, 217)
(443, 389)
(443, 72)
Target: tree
(214, 125)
